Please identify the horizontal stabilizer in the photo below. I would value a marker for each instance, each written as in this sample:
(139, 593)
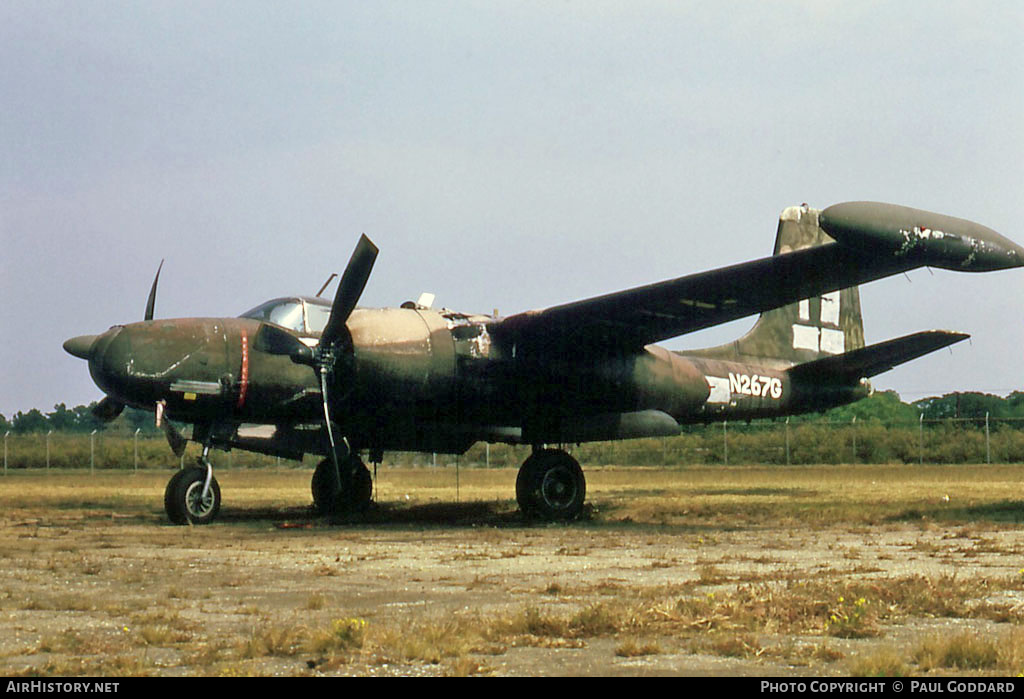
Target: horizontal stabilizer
(875, 359)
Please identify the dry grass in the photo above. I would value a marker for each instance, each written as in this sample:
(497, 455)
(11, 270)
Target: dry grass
(112, 590)
(860, 494)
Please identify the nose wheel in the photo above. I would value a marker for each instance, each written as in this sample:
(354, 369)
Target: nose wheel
(192, 496)
(551, 486)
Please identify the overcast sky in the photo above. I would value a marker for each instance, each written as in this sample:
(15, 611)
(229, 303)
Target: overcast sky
(507, 155)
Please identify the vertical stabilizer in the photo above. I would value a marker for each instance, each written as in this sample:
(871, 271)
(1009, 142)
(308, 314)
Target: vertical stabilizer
(821, 326)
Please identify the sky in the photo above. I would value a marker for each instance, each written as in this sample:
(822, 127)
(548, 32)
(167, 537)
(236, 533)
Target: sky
(503, 155)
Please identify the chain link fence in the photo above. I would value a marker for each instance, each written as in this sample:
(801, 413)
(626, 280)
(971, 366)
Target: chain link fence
(780, 442)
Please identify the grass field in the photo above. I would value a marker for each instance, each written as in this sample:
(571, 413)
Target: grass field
(866, 570)
(815, 494)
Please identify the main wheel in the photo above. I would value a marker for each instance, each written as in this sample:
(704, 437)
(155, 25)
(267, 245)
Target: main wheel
(551, 486)
(356, 490)
(184, 501)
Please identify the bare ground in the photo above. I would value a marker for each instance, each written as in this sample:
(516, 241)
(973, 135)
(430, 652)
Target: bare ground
(97, 583)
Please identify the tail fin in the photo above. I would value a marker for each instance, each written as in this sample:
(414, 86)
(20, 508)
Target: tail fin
(811, 329)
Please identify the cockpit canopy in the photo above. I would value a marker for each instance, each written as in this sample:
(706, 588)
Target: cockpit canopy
(305, 316)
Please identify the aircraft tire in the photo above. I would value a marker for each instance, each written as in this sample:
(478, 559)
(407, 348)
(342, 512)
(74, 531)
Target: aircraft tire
(356, 489)
(551, 486)
(183, 499)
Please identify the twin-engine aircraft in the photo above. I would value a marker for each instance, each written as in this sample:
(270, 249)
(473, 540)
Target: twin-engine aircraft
(298, 375)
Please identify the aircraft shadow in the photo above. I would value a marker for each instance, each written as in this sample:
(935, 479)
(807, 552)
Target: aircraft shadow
(1007, 511)
(468, 514)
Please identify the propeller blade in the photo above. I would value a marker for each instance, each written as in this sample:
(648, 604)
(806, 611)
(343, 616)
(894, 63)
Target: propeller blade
(174, 438)
(350, 288)
(108, 409)
(330, 430)
(151, 302)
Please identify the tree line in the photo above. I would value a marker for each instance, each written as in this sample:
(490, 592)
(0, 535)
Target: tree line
(76, 420)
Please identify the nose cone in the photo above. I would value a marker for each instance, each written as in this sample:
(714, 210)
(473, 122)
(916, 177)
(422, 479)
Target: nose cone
(80, 346)
(182, 361)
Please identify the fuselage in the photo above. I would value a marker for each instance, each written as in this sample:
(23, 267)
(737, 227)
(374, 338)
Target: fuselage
(422, 379)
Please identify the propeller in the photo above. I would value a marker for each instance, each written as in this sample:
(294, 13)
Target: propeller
(151, 301)
(174, 438)
(336, 339)
(108, 408)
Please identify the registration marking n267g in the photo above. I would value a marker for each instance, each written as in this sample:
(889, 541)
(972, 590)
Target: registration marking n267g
(755, 385)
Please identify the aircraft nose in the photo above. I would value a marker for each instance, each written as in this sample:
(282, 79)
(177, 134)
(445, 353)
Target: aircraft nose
(80, 346)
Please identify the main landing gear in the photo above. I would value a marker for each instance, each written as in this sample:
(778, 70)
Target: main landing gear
(192, 495)
(352, 496)
(551, 486)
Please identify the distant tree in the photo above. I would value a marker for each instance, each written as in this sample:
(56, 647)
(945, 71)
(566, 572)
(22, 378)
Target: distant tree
(1015, 404)
(62, 419)
(140, 420)
(4, 425)
(85, 421)
(32, 421)
(881, 406)
(970, 405)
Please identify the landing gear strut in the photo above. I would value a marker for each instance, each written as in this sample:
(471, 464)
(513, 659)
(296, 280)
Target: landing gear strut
(551, 486)
(192, 495)
(351, 496)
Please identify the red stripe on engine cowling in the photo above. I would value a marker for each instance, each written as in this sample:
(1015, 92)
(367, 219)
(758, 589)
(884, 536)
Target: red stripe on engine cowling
(243, 382)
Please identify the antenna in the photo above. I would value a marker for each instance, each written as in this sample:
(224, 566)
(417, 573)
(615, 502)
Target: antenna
(329, 280)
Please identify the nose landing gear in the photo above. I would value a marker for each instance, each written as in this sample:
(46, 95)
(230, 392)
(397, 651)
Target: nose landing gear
(192, 495)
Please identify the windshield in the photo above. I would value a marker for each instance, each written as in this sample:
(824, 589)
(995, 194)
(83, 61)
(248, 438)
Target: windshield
(287, 313)
(316, 316)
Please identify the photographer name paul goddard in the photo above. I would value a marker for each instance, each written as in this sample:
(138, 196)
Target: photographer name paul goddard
(914, 686)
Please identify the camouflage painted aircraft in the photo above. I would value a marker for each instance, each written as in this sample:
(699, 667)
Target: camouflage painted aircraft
(298, 375)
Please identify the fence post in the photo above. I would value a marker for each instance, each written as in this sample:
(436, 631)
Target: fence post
(920, 432)
(725, 442)
(854, 428)
(137, 449)
(988, 444)
(5, 451)
(48, 450)
(92, 452)
(787, 440)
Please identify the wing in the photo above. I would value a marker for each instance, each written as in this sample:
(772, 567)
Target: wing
(628, 320)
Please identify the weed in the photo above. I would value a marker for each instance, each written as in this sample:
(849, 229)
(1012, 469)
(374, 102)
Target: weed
(634, 648)
(733, 645)
(162, 635)
(850, 620)
(266, 640)
(962, 651)
(885, 662)
(430, 640)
